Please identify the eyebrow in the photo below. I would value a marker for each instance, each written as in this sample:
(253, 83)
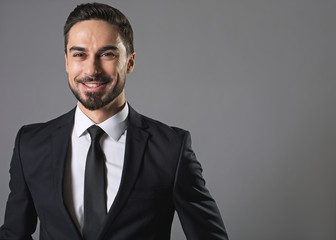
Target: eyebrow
(109, 47)
(102, 49)
(75, 48)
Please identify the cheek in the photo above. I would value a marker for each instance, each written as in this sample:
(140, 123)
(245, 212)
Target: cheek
(74, 69)
(110, 69)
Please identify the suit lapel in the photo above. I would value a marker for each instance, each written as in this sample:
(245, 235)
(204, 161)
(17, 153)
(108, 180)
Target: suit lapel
(60, 143)
(136, 143)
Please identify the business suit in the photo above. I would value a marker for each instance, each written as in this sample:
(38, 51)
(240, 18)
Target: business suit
(160, 175)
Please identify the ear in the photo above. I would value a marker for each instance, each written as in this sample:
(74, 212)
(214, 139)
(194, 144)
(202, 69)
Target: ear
(130, 62)
(66, 62)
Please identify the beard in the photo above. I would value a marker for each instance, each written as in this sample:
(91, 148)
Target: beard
(96, 100)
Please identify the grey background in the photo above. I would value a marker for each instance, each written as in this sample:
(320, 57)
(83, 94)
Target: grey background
(253, 80)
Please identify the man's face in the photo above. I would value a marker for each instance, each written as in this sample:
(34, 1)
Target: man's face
(97, 63)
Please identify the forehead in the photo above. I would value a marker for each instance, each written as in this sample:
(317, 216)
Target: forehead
(94, 34)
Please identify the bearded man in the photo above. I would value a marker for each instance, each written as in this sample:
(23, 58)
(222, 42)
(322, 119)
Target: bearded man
(102, 170)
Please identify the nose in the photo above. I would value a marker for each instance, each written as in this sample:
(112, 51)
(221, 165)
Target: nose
(92, 67)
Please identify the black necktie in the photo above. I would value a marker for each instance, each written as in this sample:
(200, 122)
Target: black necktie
(94, 186)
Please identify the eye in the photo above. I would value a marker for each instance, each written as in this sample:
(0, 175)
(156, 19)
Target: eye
(108, 54)
(78, 54)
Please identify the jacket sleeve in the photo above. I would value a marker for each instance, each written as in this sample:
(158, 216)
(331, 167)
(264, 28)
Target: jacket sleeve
(20, 216)
(197, 210)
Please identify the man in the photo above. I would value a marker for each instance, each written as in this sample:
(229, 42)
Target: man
(103, 171)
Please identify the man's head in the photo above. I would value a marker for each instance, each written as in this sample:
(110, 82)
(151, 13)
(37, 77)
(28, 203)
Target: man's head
(98, 55)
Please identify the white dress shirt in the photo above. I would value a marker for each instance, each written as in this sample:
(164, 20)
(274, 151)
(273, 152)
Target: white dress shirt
(113, 145)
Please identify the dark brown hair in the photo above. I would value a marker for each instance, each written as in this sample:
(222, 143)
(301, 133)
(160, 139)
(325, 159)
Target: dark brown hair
(103, 12)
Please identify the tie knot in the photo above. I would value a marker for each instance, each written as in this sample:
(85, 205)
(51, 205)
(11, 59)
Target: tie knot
(95, 132)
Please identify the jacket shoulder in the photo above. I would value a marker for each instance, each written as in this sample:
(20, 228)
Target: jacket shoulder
(38, 130)
(158, 128)
(153, 126)
(56, 122)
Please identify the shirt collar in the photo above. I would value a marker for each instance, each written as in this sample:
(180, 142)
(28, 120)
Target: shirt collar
(115, 126)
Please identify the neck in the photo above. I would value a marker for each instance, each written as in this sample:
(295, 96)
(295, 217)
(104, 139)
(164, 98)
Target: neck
(104, 113)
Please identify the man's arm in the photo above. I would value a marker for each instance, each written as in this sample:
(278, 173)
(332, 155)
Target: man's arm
(197, 211)
(20, 217)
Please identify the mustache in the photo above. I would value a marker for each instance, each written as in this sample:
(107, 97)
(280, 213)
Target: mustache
(86, 79)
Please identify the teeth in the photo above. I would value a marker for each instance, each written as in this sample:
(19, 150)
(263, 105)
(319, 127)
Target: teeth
(92, 85)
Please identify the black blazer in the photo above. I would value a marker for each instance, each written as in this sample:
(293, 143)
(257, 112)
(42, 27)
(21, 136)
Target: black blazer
(160, 175)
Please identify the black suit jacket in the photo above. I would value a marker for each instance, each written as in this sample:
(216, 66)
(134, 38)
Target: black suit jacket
(160, 175)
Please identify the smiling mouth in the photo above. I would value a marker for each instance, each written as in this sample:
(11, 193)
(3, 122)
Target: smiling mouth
(93, 85)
